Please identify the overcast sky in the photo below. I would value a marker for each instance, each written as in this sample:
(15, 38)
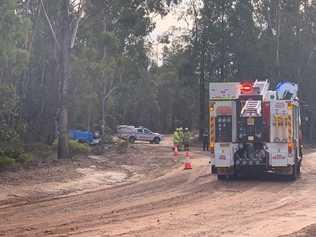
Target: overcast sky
(167, 23)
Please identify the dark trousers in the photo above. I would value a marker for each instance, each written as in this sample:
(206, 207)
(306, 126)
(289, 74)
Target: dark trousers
(205, 145)
(186, 146)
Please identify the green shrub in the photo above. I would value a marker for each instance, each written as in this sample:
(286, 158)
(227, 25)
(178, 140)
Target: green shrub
(40, 151)
(55, 143)
(76, 148)
(6, 161)
(10, 142)
(14, 154)
(107, 137)
(25, 158)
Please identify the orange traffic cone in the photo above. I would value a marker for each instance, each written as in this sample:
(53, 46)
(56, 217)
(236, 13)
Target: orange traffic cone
(187, 163)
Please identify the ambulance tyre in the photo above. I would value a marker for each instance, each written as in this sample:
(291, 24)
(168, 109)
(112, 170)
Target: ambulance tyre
(225, 177)
(293, 176)
(233, 176)
(214, 170)
(221, 177)
(299, 168)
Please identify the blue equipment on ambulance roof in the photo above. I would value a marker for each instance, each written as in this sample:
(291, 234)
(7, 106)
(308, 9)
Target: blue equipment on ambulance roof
(287, 90)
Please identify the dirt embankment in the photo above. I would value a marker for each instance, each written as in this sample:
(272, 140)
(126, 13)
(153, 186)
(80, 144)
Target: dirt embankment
(146, 192)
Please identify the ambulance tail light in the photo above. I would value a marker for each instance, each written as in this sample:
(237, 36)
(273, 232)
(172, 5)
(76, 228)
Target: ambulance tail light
(246, 87)
(211, 107)
(290, 147)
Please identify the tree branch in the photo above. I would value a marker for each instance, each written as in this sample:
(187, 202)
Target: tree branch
(50, 25)
(109, 93)
(75, 31)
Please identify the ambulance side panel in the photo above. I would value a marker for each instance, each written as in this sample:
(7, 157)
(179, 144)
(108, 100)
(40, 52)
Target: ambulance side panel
(222, 134)
(279, 115)
(282, 132)
(278, 155)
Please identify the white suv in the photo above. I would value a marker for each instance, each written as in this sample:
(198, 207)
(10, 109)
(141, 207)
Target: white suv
(133, 134)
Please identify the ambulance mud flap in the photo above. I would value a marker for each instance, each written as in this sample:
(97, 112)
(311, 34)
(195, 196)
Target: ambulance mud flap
(224, 155)
(283, 170)
(225, 171)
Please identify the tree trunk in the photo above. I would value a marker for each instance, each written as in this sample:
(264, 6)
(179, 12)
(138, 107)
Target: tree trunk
(65, 40)
(277, 51)
(103, 118)
(298, 43)
(311, 127)
(223, 50)
(63, 149)
(89, 116)
(202, 91)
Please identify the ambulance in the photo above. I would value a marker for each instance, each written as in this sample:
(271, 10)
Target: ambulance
(254, 130)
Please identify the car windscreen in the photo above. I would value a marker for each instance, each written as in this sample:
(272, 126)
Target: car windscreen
(147, 131)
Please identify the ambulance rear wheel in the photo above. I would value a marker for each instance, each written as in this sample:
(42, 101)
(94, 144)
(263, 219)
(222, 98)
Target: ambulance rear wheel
(293, 176)
(299, 168)
(225, 177)
(221, 177)
(214, 170)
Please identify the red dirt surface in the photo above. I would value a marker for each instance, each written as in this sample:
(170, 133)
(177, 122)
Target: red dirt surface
(146, 192)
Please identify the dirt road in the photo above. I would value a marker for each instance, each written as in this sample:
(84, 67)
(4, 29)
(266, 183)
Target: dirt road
(146, 192)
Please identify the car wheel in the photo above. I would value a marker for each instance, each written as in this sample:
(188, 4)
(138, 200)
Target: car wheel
(132, 140)
(156, 140)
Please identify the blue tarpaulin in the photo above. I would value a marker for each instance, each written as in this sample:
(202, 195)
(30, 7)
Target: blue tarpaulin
(83, 136)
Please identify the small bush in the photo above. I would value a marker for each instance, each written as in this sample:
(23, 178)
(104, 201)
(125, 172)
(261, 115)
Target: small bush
(6, 161)
(25, 158)
(14, 154)
(40, 151)
(55, 143)
(107, 138)
(76, 148)
(122, 146)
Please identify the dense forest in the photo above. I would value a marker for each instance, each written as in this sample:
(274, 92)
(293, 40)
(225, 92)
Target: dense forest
(87, 64)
